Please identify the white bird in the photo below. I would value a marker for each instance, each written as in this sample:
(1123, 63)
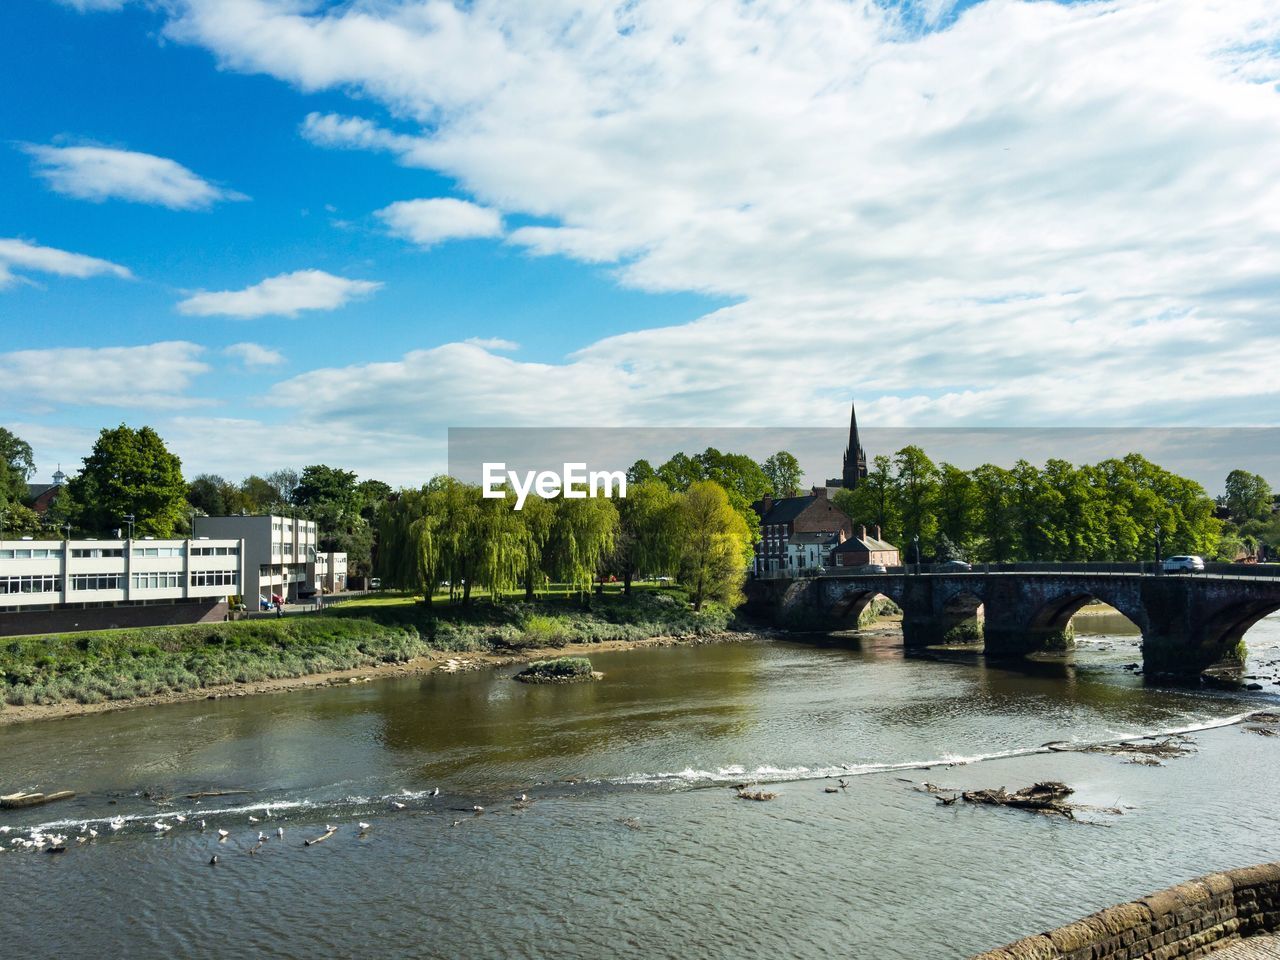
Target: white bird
(82, 839)
(435, 792)
(280, 832)
(363, 826)
(397, 804)
(523, 798)
(223, 834)
(262, 837)
(5, 829)
(252, 818)
(201, 824)
(117, 823)
(330, 828)
(162, 827)
(478, 809)
(180, 818)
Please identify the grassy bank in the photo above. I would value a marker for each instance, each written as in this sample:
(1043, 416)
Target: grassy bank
(97, 666)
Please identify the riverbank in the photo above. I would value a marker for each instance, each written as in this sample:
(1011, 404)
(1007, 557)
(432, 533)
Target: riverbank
(78, 674)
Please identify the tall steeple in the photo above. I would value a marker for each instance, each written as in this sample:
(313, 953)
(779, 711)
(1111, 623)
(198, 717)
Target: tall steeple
(855, 458)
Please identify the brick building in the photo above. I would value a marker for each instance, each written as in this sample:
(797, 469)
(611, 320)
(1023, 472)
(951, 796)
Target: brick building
(798, 533)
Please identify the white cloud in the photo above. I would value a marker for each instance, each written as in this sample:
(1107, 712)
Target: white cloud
(1029, 212)
(492, 343)
(431, 221)
(156, 374)
(284, 295)
(103, 173)
(21, 254)
(86, 6)
(254, 355)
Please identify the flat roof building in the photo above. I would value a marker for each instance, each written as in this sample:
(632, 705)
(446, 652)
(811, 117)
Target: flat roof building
(78, 576)
(279, 554)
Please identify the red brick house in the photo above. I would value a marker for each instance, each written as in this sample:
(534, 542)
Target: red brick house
(796, 531)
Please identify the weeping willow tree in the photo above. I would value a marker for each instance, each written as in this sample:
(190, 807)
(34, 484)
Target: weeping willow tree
(648, 535)
(581, 539)
(536, 522)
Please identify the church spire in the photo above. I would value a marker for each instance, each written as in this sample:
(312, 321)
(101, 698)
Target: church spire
(855, 458)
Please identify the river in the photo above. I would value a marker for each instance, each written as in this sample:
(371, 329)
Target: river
(632, 843)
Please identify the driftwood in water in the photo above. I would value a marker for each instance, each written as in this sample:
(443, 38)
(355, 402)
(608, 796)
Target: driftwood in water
(215, 793)
(320, 839)
(756, 795)
(14, 801)
(1048, 797)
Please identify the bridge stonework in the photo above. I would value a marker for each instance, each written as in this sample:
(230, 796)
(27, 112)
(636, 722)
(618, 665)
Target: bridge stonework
(1189, 623)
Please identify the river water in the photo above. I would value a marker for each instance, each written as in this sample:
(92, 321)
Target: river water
(632, 843)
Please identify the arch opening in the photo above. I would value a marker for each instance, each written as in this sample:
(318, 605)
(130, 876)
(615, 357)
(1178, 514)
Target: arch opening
(1225, 634)
(1060, 621)
(963, 616)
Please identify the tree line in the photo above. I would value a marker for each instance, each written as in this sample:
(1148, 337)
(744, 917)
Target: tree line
(447, 533)
(1121, 509)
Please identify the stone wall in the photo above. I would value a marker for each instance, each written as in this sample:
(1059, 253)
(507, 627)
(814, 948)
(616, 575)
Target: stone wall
(71, 619)
(1189, 920)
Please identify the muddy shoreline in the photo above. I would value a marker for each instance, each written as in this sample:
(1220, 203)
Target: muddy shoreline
(437, 661)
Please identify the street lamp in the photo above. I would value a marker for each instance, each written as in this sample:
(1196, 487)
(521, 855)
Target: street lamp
(129, 518)
(1157, 546)
(66, 531)
(916, 540)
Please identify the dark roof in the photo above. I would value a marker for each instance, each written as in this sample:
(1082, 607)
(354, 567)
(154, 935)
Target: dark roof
(35, 489)
(785, 509)
(816, 536)
(856, 544)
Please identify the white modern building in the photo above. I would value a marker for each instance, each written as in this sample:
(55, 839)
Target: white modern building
(329, 572)
(279, 554)
(38, 575)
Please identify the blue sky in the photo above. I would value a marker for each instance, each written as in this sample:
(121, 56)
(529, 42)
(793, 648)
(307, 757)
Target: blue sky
(965, 214)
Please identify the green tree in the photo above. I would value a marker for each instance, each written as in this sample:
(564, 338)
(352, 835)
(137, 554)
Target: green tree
(874, 501)
(16, 468)
(783, 472)
(715, 545)
(648, 532)
(537, 520)
(582, 539)
(19, 521)
(213, 496)
(917, 492)
(680, 471)
(259, 496)
(957, 507)
(1247, 496)
(640, 471)
(130, 472)
(995, 512)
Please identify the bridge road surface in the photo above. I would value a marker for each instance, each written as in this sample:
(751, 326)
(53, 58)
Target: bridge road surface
(1254, 948)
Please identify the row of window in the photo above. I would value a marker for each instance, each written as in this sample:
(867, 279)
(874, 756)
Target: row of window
(214, 578)
(83, 553)
(115, 581)
(36, 584)
(156, 581)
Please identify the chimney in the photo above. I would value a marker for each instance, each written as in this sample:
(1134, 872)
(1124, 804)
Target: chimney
(877, 529)
(862, 532)
(766, 503)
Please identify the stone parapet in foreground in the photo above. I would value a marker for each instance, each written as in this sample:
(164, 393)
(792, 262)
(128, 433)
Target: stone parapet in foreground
(1192, 919)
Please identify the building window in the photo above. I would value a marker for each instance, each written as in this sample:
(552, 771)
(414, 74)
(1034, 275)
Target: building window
(97, 581)
(215, 551)
(214, 578)
(97, 552)
(36, 584)
(156, 581)
(157, 551)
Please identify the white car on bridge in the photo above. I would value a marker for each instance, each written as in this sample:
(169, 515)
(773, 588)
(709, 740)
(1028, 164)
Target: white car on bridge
(1183, 564)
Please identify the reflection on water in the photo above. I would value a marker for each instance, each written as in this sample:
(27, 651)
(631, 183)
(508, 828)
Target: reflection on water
(632, 845)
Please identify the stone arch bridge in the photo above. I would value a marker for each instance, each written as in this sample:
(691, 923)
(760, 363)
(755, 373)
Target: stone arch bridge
(1189, 622)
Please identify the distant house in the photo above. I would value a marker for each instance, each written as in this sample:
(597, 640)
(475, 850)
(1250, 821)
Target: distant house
(40, 496)
(864, 548)
(799, 533)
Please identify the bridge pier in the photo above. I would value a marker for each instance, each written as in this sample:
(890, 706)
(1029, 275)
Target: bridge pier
(938, 612)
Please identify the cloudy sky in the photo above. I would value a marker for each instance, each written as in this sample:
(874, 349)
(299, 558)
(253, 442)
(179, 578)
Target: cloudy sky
(289, 231)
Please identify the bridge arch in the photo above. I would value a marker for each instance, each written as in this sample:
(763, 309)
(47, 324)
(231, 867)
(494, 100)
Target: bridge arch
(1054, 615)
(1224, 632)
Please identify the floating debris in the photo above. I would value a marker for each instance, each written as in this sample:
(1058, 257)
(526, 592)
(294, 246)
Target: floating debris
(756, 795)
(1047, 797)
(1148, 751)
